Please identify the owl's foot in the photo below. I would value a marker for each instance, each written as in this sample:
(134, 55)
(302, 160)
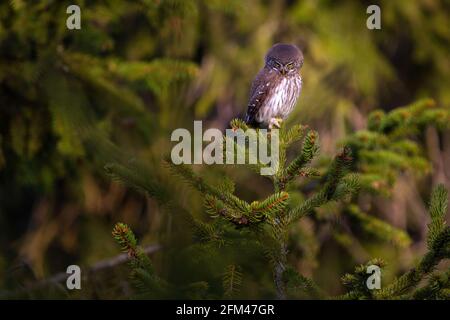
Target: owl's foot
(275, 122)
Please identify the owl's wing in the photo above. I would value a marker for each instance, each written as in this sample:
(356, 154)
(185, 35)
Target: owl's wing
(258, 94)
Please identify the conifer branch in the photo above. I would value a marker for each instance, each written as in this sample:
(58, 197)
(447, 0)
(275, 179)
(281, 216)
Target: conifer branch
(207, 232)
(297, 282)
(272, 205)
(438, 210)
(198, 183)
(136, 176)
(142, 272)
(410, 279)
(295, 133)
(356, 282)
(238, 124)
(438, 240)
(379, 228)
(337, 171)
(335, 187)
(309, 150)
(217, 208)
(232, 281)
(438, 287)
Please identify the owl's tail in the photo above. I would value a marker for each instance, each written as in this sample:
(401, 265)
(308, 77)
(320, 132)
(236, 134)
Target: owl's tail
(250, 120)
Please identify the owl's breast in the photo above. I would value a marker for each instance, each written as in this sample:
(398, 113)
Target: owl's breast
(281, 99)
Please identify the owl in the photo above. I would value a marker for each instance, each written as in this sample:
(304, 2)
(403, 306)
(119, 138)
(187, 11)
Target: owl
(276, 87)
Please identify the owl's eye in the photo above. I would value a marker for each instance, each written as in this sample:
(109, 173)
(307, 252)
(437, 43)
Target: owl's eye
(290, 65)
(277, 64)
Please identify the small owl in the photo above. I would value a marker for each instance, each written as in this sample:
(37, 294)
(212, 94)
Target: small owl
(276, 87)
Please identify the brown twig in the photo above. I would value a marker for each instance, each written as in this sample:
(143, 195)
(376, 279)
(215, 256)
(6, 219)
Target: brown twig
(101, 265)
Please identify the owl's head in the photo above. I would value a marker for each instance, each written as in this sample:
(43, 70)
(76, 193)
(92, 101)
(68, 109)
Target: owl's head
(286, 59)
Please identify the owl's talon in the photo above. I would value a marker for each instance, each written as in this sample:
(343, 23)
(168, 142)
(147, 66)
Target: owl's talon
(275, 122)
(279, 122)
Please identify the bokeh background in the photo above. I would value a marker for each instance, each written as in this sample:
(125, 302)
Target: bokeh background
(139, 69)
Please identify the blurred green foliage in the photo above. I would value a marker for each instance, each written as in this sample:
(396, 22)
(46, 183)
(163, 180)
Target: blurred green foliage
(73, 100)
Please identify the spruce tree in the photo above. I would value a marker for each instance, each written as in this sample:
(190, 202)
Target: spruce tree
(270, 220)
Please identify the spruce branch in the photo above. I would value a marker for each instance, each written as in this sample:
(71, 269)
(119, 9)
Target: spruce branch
(335, 187)
(195, 291)
(410, 279)
(250, 135)
(198, 183)
(295, 133)
(232, 281)
(297, 282)
(438, 210)
(142, 272)
(136, 176)
(379, 228)
(408, 116)
(356, 281)
(238, 124)
(217, 208)
(207, 232)
(126, 239)
(270, 206)
(309, 150)
(338, 169)
(438, 287)
(391, 144)
(438, 240)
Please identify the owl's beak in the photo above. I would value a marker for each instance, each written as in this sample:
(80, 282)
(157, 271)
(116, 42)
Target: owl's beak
(283, 71)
